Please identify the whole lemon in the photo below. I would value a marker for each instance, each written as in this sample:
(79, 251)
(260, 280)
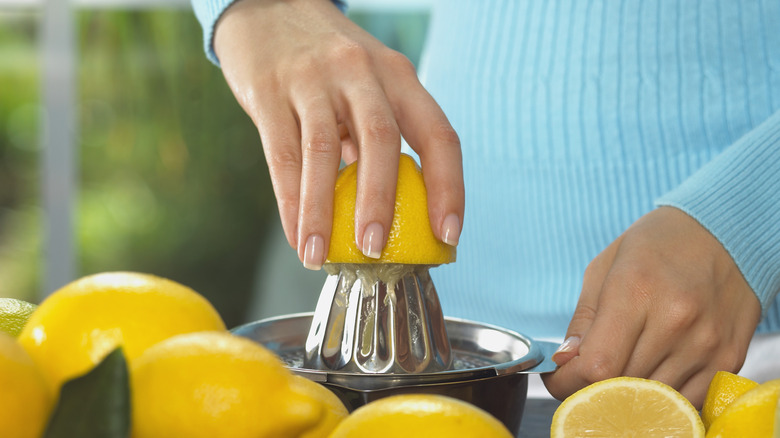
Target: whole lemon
(411, 239)
(335, 411)
(420, 415)
(215, 384)
(25, 399)
(78, 325)
(14, 315)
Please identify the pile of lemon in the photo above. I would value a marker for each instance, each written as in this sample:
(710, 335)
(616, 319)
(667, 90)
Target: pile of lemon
(735, 407)
(189, 376)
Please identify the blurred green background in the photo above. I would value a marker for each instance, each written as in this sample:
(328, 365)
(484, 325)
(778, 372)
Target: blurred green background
(172, 179)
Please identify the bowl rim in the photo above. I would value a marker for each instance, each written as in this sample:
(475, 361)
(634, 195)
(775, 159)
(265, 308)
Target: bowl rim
(538, 359)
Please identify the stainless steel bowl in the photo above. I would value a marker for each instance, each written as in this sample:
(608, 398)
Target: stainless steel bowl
(490, 366)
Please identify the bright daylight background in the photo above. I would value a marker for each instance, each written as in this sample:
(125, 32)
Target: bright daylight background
(149, 163)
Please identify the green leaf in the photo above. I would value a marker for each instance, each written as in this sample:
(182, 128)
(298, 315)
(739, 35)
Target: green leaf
(95, 405)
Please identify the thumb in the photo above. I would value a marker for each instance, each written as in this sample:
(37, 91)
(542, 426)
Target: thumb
(569, 349)
(579, 325)
(566, 378)
(587, 306)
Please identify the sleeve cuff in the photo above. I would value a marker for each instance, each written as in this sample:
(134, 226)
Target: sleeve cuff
(208, 13)
(736, 197)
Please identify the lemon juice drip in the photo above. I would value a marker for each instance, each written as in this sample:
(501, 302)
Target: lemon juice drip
(370, 273)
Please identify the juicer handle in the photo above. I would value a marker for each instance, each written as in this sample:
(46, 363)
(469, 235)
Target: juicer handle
(546, 365)
(537, 361)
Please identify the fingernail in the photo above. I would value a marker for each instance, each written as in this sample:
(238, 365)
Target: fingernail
(372, 240)
(314, 252)
(571, 343)
(450, 229)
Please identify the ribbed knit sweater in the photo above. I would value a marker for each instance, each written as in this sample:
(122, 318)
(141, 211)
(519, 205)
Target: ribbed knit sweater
(578, 117)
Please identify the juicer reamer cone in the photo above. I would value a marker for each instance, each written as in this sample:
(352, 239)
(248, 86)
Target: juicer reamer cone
(365, 324)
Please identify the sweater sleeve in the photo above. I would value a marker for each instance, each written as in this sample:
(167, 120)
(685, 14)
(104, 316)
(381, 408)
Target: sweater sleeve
(208, 13)
(736, 197)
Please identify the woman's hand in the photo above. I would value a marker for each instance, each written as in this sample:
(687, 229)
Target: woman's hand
(320, 89)
(664, 301)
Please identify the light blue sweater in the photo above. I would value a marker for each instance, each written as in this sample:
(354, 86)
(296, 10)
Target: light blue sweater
(578, 117)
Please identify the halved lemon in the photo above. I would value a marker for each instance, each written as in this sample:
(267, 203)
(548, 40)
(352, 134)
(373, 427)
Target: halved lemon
(724, 388)
(752, 414)
(410, 241)
(626, 406)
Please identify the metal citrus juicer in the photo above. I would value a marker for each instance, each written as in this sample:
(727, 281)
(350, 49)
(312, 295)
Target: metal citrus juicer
(378, 330)
(378, 318)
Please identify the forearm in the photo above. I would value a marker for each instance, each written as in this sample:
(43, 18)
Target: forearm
(209, 12)
(737, 198)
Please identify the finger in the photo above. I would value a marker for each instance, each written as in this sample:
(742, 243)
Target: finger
(349, 152)
(603, 351)
(568, 350)
(618, 325)
(730, 357)
(666, 326)
(565, 380)
(609, 329)
(321, 154)
(675, 339)
(695, 388)
(650, 353)
(379, 144)
(587, 305)
(280, 136)
(675, 370)
(427, 130)
(705, 351)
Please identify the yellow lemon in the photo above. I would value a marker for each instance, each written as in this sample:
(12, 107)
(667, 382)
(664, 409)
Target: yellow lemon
(215, 384)
(626, 406)
(14, 315)
(777, 421)
(724, 388)
(751, 415)
(75, 327)
(25, 399)
(420, 415)
(411, 239)
(335, 411)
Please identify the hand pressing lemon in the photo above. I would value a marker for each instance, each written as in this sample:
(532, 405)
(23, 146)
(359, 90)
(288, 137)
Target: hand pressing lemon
(411, 240)
(411, 245)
